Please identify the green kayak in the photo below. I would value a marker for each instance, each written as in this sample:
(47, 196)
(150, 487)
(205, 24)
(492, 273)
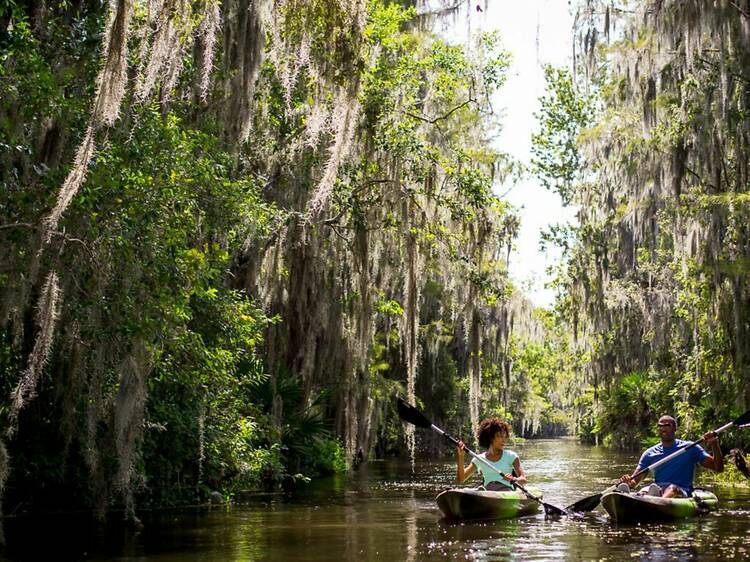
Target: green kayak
(631, 508)
(469, 503)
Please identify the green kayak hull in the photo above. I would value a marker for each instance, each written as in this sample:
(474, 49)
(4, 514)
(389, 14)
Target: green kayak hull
(469, 503)
(630, 508)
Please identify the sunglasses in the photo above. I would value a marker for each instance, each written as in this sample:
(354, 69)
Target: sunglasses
(668, 424)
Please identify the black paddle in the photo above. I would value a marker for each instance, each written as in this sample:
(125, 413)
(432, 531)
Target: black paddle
(410, 414)
(589, 503)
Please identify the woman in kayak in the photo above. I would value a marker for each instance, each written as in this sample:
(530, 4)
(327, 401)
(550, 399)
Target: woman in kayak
(492, 435)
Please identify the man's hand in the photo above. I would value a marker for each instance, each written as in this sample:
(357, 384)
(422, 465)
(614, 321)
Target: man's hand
(710, 438)
(627, 479)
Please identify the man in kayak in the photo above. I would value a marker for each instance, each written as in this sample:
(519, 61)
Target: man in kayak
(674, 479)
(492, 435)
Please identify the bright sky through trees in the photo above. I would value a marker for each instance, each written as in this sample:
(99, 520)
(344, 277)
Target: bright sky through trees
(536, 32)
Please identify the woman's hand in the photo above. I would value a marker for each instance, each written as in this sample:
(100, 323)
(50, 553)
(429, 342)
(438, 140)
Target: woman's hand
(460, 449)
(516, 479)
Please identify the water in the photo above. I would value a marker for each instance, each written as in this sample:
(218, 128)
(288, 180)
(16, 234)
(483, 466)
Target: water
(386, 512)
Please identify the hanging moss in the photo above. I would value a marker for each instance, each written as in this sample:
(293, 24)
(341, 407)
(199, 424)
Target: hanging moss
(259, 196)
(646, 274)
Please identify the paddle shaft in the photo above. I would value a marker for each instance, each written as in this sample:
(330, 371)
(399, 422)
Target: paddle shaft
(455, 441)
(678, 452)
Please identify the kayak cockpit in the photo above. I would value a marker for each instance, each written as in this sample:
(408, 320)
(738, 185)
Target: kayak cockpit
(635, 508)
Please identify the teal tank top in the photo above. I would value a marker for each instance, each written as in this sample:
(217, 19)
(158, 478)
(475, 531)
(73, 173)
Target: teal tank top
(504, 464)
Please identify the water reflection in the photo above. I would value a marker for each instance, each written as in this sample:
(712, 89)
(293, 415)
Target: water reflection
(387, 512)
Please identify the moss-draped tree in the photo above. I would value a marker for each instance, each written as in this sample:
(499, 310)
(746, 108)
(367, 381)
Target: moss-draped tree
(649, 139)
(230, 232)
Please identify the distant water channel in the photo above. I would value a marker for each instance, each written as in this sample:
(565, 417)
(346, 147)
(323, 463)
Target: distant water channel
(386, 512)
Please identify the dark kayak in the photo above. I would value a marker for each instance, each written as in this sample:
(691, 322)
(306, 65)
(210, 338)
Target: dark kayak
(631, 508)
(469, 503)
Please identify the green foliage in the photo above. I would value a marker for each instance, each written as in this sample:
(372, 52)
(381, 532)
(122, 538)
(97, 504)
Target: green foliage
(629, 411)
(327, 457)
(536, 383)
(403, 113)
(420, 98)
(161, 215)
(653, 283)
(385, 23)
(298, 429)
(178, 216)
(382, 364)
(162, 251)
(731, 477)
(564, 115)
(388, 306)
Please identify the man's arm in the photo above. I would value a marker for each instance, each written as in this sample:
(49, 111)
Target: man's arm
(643, 462)
(715, 460)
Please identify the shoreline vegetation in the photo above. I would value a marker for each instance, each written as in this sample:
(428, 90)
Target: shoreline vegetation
(729, 479)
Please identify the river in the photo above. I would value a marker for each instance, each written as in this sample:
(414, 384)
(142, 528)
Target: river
(387, 512)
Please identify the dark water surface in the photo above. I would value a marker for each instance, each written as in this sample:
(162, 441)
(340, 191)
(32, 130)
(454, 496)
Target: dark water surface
(386, 512)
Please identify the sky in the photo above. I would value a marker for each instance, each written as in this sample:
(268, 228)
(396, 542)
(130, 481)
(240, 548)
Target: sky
(536, 32)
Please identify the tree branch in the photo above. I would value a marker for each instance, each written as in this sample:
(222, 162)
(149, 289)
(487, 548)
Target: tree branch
(439, 11)
(441, 117)
(742, 11)
(16, 225)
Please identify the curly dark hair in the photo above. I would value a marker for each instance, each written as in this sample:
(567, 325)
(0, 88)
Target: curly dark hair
(488, 428)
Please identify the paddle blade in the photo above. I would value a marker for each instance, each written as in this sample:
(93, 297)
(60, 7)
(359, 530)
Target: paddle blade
(553, 511)
(586, 504)
(410, 414)
(743, 420)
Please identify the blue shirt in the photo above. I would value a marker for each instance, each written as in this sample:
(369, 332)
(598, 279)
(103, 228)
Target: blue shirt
(504, 464)
(679, 470)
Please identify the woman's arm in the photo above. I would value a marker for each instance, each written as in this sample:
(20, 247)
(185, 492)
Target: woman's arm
(462, 473)
(520, 474)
